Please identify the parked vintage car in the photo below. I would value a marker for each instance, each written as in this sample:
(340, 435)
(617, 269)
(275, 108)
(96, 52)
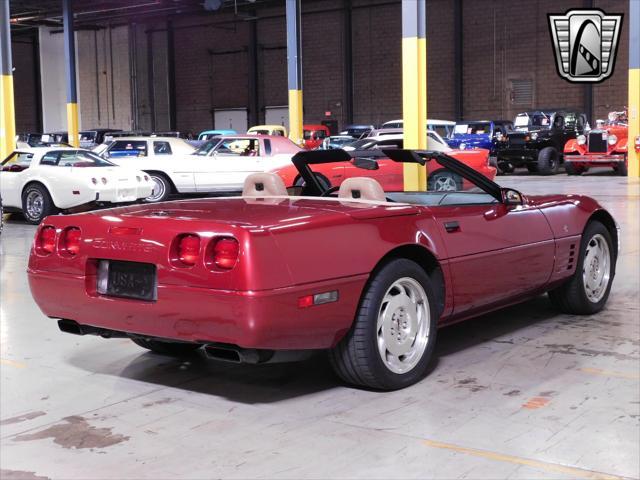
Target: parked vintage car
(604, 146)
(444, 128)
(92, 138)
(390, 174)
(313, 135)
(366, 274)
(274, 130)
(42, 181)
(219, 165)
(209, 134)
(538, 139)
(357, 131)
(335, 141)
(479, 134)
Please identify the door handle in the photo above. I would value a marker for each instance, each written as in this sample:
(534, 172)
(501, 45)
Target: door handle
(451, 227)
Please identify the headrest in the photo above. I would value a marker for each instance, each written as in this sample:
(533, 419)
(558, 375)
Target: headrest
(362, 188)
(264, 185)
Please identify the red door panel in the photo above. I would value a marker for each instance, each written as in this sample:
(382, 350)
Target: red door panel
(496, 252)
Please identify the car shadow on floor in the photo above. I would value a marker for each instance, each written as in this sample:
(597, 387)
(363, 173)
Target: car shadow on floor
(268, 383)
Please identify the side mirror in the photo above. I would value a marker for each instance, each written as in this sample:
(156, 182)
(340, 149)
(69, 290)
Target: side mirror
(511, 197)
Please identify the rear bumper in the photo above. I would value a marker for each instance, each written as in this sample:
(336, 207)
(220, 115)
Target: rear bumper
(268, 319)
(595, 158)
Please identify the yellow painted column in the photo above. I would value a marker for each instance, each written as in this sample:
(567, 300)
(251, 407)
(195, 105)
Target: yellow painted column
(7, 106)
(295, 115)
(294, 70)
(634, 121)
(70, 72)
(7, 121)
(414, 89)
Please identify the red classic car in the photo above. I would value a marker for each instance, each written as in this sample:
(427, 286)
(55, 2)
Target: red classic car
(367, 275)
(314, 135)
(390, 174)
(604, 146)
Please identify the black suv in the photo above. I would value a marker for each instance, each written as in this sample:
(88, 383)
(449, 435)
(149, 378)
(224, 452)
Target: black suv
(538, 140)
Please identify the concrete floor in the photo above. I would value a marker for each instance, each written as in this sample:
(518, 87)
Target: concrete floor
(522, 393)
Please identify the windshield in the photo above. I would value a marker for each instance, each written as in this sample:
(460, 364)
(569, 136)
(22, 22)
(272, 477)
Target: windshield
(477, 128)
(81, 158)
(208, 147)
(538, 119)
(128, 148)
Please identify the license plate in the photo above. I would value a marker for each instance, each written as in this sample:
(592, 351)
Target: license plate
(127, 279)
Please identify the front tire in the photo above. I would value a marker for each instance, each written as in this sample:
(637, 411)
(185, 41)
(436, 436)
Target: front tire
(621, 169)
(37, 203)
(572, 169)
(587, 291)
(176, 349)
(548, 161)
(393, 335)
(161, 188)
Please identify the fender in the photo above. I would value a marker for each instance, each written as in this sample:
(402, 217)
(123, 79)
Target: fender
(621, 146)
(572, 147)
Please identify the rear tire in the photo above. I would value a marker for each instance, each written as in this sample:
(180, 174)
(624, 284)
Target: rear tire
(548, 161)
(587, 291)
(176, 349)
(392, 338)
(161, 188)
(444, 181)
(37, 203)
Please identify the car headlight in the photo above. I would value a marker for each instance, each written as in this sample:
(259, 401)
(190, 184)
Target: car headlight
(612, 140)
(463, 146)
(534, 135)
(581, 139)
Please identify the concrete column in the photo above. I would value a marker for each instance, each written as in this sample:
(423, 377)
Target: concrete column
(414, 88)
(294, 68)
(8, 116)
(634, 87)
(70, 71)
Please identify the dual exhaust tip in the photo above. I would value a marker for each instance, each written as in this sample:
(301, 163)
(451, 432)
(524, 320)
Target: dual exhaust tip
(214, 351)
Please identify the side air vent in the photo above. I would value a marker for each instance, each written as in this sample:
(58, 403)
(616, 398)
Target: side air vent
(572, 256)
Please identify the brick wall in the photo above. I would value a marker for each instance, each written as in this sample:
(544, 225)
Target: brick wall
(503, 40)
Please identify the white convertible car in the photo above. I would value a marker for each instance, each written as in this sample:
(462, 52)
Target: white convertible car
(220, 165)
(43, 181)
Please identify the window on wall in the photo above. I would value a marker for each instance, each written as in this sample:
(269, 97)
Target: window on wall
(522, 92)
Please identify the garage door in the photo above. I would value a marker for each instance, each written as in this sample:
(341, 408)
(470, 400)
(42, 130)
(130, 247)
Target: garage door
(277, 116)
(231, 119)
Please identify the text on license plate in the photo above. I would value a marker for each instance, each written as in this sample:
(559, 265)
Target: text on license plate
(118, 278)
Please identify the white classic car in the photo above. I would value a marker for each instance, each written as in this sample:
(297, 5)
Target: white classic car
(43, 181)
(219, 165)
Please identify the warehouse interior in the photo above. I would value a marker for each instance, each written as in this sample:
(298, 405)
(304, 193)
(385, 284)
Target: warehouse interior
(524, 391)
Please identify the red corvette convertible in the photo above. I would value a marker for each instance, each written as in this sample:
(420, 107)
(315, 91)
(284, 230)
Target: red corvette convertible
(367, 275)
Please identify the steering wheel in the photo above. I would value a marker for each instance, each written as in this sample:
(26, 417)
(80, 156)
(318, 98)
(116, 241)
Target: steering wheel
(330, 191)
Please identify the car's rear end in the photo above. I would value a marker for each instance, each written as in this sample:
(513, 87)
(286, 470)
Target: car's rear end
(189, 272)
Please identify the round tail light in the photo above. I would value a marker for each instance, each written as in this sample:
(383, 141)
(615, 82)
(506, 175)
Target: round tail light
(188, 249)
(70, 241)
(46, 242)
(224, 254)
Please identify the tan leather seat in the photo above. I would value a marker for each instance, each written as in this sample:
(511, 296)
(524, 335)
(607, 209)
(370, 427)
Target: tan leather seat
(362, 188)
(264, 185)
